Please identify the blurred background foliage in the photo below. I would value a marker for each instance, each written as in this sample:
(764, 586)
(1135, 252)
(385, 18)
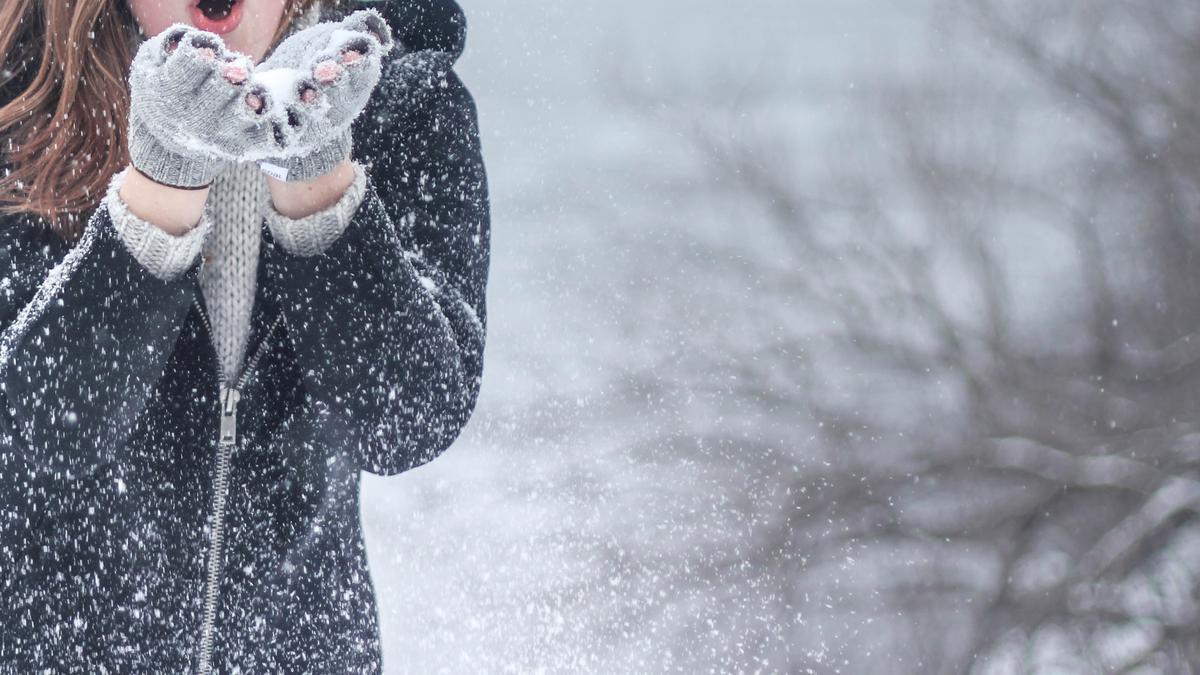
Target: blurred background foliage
(825, 337)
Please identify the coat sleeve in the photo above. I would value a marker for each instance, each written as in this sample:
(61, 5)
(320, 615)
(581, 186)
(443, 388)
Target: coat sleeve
(388, 322)
(87, 331)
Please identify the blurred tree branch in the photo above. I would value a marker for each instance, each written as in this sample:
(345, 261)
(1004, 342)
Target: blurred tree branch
(991, 336)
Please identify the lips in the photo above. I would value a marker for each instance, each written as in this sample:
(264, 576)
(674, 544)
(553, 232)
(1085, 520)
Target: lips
(217, 16)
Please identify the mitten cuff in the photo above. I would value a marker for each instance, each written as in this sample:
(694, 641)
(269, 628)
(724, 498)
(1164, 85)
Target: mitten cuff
(166, 167)
(166, 256)
(312, 235)
(320, 162)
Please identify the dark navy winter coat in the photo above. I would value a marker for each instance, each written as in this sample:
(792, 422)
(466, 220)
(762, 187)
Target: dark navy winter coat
(370, 357)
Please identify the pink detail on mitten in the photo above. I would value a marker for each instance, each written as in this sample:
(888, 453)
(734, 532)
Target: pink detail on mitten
(235, 73)
(327, 71)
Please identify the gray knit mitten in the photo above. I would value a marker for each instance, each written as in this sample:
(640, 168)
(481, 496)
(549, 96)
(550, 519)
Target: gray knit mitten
(188, 117)
(310, 90)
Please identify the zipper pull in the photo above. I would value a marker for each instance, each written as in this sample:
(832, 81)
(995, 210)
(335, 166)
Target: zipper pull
(229, 400)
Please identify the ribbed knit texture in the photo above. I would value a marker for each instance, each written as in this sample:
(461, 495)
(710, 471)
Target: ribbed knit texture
(228, 277)
(230, 237)
(313, 234)
(165, 255)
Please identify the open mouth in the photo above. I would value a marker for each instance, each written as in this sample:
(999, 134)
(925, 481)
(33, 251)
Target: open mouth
(217, 16)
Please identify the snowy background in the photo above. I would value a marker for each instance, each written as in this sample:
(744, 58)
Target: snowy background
(851, 336)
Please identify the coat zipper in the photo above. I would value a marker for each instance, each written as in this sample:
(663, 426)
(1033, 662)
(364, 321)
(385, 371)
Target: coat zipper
(228, 399)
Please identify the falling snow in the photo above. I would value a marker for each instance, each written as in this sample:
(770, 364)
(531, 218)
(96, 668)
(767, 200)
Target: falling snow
(820, 338)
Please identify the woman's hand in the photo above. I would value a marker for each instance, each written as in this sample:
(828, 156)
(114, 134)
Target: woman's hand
(310, 90)
(187, 120)
(188, 114)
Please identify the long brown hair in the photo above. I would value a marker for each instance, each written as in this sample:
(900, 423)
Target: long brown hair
(62, 137)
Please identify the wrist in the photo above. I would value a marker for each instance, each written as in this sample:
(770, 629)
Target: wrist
(172, 210)
(298, 199)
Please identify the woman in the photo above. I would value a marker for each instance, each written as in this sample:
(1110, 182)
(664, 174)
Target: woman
(213, 318)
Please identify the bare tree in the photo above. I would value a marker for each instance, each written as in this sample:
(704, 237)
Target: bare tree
(958, 380)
